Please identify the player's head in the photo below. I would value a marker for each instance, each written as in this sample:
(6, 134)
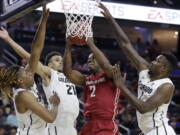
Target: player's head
(92, 63)
(15, 77)
(164, 63)
(54, 60)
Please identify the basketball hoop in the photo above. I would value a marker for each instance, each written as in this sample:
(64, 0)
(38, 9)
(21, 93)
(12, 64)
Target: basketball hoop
(79, 16)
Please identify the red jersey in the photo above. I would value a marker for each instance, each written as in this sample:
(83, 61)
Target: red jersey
(100, 97)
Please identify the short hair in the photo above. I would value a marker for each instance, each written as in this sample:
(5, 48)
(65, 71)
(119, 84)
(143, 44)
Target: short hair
(50, 55)
(171, 58)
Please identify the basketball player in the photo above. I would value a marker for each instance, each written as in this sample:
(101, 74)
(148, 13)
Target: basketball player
(100, 94)
(54, 81)
(155, 89)
(31, 115)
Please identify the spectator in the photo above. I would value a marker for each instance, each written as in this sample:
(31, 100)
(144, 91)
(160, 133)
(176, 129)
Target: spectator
(7, 110)
(2, 117)
(2, 130)
(11, 119)
(175, 122)
(13, 131)
(2, 65)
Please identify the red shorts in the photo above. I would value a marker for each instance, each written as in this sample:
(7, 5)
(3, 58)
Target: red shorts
(99, 127)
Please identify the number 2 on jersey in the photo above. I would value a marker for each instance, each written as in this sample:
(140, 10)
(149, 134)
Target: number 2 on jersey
(71, 90)
(93, 89)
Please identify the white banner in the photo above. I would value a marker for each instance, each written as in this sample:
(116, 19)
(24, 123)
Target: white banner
(123, 11)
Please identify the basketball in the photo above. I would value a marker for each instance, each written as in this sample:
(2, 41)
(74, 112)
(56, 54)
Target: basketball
(77, 32)
(77, 40)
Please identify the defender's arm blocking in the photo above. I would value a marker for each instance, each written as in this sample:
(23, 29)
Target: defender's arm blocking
(162, 96)
(124, 42)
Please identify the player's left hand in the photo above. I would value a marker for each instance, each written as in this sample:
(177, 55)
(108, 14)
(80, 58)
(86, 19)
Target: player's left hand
(90, 41)
(54, 100)
(117, 77)
(105, 11)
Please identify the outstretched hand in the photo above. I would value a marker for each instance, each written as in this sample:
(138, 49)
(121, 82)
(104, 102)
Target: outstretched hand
(4, 34)
(55, 100)
(105, 11)
(117, 77)
(89, 41)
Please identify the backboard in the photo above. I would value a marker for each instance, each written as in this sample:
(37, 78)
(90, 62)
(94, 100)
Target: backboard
(10, 10)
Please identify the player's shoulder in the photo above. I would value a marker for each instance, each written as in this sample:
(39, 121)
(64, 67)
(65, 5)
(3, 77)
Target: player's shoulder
(60, 73)
(100, 74)
(166, 83)
(55, 74)
(145, 71)
(166, 89)
(23, 95)
(144, 74)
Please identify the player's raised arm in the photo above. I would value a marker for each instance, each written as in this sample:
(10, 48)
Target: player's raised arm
(16, 47)
(100, 57)
(162, 96)
(42, 70)
(38, 42)
(124, 42)
(74, 76)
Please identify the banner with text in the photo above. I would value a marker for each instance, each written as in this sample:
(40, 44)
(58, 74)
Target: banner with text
(122, 11)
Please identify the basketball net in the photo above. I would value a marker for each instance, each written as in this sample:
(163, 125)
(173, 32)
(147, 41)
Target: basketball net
(79, 16)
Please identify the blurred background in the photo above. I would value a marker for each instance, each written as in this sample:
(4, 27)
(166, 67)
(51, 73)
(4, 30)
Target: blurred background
(149, 39)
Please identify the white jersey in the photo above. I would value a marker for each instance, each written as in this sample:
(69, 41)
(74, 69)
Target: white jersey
(157, 117)
(29, 123)
(69, 104)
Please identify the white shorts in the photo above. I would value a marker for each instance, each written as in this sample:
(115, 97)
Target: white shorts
(162, 130)
(42, 131)
(54, 130)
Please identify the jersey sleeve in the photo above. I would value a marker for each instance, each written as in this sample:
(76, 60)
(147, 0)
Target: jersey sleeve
(143, 74)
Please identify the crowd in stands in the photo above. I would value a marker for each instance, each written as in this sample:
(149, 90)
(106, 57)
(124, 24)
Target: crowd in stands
(127, 115)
